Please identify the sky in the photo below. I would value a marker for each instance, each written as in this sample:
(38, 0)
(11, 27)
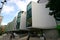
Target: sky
(11, 9)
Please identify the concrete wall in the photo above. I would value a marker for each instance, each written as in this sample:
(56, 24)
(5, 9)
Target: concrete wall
(23, 21)
(41, 17)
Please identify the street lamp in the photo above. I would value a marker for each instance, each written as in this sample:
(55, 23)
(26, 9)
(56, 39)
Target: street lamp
(2, 2)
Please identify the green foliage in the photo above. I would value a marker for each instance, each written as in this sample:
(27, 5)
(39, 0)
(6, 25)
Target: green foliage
(54, 6)
(0, 31)
(58, 27)
(58, 32)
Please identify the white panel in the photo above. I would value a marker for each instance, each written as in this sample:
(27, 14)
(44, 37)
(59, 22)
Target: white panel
(41, 17)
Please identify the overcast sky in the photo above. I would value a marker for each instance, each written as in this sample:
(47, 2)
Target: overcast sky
(11, 9)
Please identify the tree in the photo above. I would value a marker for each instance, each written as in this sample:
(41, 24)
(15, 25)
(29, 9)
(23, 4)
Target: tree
(54, 6)
(0, 31)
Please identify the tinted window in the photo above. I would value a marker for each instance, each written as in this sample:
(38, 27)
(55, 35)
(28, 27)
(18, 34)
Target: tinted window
(29, 16)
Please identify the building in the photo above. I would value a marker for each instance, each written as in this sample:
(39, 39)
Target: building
(39, 21)
(38, 16)
(11, 26)
(14, 23)
(21, 21)
(6, 28)
(1, 17)
(18, 20)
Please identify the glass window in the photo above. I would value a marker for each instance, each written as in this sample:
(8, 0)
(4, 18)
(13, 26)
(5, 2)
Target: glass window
(29, 16)
(18, 25)
(29, 6)
(18, 20)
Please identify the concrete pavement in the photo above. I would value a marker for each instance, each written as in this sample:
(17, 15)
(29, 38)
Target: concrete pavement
(7, 37)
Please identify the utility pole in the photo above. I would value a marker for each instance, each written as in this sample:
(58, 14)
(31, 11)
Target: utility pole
(2, 2)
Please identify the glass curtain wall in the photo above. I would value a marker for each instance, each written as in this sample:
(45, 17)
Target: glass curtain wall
(18, 20)
(29, 15)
